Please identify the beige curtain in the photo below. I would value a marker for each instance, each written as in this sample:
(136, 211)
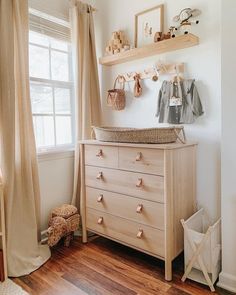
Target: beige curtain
(17, 146)
(88, 107)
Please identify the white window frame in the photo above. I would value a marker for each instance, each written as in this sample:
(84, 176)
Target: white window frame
(60, 84)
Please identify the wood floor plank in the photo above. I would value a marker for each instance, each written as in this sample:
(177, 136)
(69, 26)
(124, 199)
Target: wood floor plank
(133, 258)
(116, 269)
(147, 284)
(57, 283)
(126, 278)
(24, 286)
(103, 267)
(176, 291)
(99, 280)
(122, 276)
(36, 285)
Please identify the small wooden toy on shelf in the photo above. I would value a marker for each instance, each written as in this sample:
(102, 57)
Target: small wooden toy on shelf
(185, 19)
(159, 36)
(118, 43)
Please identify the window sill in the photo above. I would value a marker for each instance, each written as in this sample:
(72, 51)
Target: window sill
(55, 154)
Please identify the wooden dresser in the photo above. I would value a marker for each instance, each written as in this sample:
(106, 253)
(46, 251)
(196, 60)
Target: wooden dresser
(136, 194)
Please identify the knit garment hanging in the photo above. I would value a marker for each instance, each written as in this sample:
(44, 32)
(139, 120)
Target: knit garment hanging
(185, 112)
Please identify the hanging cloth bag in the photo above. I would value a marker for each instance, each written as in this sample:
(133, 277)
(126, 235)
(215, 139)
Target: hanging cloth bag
(116, 96)
(176, 100)
(137, 86)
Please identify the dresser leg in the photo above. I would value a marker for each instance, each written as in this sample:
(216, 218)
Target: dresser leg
(84, 235)
(168, 270)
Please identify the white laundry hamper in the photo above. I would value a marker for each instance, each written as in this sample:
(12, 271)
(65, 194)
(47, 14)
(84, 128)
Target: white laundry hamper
(202, 249)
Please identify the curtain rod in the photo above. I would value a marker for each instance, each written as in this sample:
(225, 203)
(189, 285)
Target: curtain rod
(93, 8)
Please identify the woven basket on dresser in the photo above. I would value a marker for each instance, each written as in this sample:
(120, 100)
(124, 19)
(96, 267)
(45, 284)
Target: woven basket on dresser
(135, 135)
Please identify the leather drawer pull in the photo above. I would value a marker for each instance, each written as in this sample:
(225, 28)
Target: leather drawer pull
(100, 198)
(139, 208)
(100, 175)
(99, 154)
(139, 183)
(140, 234)
(138, 157)
(100, 220)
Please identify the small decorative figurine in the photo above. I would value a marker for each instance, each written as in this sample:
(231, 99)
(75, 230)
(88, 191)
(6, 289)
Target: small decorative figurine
(172, 30)
(159, 36)
(185, 19)
(118, 43)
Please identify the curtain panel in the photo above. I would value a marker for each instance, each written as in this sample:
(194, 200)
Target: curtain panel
(18, 160)
(87, 92)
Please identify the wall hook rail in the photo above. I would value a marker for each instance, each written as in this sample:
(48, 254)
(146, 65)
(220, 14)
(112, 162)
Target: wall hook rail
(154, 72)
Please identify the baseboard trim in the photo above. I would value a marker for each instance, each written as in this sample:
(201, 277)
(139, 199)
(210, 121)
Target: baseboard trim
(227, 282)
(43, 232)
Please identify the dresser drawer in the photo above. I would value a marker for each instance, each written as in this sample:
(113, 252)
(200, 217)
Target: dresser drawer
(148, 187)
(142, 160)
(102, 156)
(135, 209)
(128, 232)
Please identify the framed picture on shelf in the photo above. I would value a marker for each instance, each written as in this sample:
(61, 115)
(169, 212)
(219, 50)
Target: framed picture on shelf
(147, 23)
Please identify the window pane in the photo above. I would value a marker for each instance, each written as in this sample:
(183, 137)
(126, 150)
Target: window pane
(59, 65)
(58, 44)
(39, 39)
(41, 99)
(62, 101)
(39, 62)
(44, 130)
(63, 130)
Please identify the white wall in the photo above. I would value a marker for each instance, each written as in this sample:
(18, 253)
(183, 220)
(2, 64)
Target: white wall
(56, 182)
(202, 63)
(228, 275)
(57, 8)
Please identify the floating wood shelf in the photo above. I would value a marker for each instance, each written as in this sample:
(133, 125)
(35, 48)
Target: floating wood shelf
(176, 43)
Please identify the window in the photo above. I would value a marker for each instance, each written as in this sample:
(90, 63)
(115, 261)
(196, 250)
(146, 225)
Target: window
(51, 90)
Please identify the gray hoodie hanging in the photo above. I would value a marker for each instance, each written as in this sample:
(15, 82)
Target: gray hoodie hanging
(188, 104)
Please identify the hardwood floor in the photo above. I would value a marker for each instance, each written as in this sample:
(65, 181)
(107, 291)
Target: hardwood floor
(104, 267)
